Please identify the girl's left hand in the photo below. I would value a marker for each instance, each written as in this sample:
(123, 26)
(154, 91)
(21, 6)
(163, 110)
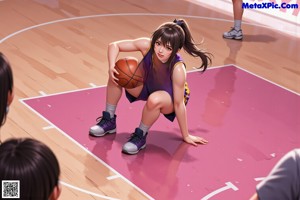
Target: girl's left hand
(191, 139)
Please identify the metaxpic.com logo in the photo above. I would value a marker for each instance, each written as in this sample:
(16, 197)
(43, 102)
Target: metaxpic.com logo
(271, 4)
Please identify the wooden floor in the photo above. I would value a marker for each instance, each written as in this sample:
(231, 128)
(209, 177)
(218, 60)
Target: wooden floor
(60, 45)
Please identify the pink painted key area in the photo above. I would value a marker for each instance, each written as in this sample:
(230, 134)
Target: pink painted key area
(250, 124)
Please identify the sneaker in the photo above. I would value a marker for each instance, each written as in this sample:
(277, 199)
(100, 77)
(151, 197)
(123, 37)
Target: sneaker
(104, 126)
(136, 142)
(233, 34)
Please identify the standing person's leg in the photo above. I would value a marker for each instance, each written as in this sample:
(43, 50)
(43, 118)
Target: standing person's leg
(158, 102)
(238, 14)
(236, 31)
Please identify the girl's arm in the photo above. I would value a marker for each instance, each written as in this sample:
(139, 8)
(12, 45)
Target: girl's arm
(139, 44)
(179, 78)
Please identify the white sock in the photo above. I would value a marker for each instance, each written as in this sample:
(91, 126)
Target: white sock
(144, 128)
(111, 109)
(237, 24)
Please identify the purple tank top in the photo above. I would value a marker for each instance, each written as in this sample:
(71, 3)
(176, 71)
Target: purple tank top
(158, 76)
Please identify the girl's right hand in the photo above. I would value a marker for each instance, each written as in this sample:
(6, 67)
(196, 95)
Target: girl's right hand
(112, 71)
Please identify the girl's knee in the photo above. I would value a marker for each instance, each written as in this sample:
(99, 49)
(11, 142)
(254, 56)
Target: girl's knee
(154, 101)
(158, 99)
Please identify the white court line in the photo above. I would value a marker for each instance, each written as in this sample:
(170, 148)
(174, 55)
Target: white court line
(113, 177)
(87, 192)
(48, 127)
(127, 14)
(228, 186)
(139, 14)
(195, 69)
(93, 85)
(108, 15)
(101, 161)
(267, 80)
(86, 150)
(43, 93)
(66, 92)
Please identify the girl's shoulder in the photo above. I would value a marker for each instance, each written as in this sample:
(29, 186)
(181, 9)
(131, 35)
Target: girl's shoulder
(178, 61)
(144, 44)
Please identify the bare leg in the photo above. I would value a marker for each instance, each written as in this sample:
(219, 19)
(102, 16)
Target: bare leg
(236, 32)
(158, 102)
(107, 124)
(113, 93)
(237, 9)
(237, 13)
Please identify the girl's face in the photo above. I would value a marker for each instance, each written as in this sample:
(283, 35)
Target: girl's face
(163, 52)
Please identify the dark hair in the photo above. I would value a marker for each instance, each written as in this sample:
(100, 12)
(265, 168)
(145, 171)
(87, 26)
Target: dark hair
(6, 86)
(177, 33)
(33, 164)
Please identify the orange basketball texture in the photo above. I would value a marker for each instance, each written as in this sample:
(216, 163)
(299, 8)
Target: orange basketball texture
(130, 75)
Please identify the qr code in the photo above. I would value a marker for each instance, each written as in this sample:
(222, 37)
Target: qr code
(10, 189)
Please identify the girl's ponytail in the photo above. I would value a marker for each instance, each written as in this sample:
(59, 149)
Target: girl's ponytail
(190, 47)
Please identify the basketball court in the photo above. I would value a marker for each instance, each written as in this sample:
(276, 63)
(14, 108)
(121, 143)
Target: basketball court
(247, 104)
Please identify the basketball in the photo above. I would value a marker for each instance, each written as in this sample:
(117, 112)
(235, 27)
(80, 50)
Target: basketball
(130, 75)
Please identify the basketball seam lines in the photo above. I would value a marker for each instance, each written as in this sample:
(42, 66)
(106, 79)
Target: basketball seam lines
(130, 77)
